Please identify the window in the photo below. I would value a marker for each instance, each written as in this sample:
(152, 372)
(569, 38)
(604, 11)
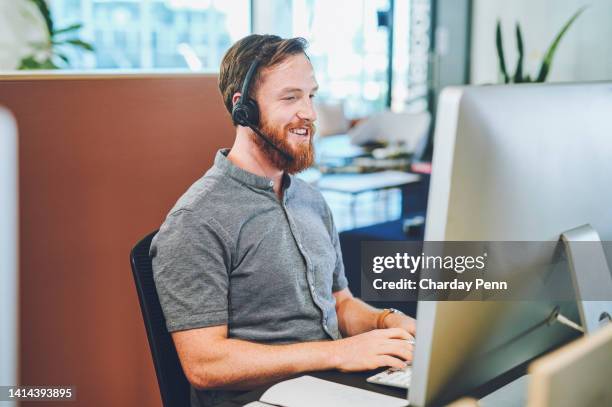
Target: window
(348, 49)
(351, 47)
(350, 41)
(150, 34)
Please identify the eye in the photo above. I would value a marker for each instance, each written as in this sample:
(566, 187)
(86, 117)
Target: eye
(312, 96)
(289, 98)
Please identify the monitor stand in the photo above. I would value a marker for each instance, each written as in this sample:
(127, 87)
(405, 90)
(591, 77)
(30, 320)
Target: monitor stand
(590, 276)
(593, 288)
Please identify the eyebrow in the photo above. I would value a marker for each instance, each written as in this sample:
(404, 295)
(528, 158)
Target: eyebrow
(287, 90)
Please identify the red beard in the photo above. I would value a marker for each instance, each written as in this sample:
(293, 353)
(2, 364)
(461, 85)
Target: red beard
(302, 154)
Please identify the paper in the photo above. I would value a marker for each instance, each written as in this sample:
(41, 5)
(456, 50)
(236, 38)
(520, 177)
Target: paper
(308, 391)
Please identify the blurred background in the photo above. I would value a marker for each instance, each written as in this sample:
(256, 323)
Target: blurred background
(116, 111)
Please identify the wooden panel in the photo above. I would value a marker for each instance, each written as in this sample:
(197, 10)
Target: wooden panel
(577, 374)
(102, 160)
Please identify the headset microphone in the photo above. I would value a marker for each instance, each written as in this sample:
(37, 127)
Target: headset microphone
(246, 112)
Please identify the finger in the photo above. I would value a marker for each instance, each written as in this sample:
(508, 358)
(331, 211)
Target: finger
(386, 360)
(396, 333)
(399, 348)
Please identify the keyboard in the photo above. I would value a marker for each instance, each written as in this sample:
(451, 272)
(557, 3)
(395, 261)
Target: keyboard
(393, 377)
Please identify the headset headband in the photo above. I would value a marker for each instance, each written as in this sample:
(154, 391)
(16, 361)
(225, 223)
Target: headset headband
(244, 93)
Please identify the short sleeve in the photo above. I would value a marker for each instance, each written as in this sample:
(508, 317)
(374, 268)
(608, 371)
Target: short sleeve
(191, 262)
(339, 280)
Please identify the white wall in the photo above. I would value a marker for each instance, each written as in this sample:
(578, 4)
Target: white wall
(8, 252)
(20, 25)
(585, 53)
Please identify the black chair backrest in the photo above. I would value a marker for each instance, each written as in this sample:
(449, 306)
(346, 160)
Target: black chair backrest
(173, 385)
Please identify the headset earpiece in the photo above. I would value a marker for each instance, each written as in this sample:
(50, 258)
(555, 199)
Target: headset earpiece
(245, 113)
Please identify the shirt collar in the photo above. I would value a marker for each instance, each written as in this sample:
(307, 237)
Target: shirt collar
(244, 177)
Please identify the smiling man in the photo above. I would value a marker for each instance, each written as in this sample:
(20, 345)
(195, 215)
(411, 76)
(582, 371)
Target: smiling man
(247, 264)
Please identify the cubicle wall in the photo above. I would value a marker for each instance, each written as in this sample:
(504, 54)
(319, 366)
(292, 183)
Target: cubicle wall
(8, 249)
(101, 161)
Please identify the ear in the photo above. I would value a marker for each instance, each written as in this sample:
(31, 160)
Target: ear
(235, 97)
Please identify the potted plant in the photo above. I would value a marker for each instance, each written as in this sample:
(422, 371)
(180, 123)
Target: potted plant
(519, 76)
(49, 54)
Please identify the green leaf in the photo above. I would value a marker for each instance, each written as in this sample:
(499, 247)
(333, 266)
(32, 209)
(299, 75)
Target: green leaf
(31, 63)
(518, 73)
(28, 63)
(46, 13)
(48, 64)
(63, 58)
(80, 43)
(500, 52)
(70, 28)
(547, 61)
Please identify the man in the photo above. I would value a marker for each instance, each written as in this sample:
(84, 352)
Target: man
(247, 264)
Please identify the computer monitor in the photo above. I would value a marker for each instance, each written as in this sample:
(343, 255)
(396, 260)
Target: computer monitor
(511, 163)
(8, 249)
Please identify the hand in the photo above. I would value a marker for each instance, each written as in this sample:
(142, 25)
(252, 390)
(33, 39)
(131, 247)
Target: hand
(373, 349)
(398, 320)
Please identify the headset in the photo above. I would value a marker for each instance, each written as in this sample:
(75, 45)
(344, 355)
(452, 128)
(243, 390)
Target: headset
(245, 111)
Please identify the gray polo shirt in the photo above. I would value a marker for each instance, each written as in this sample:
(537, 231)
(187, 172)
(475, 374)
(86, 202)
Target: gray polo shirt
(230, 252)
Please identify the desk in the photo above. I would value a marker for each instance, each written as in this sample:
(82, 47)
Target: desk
(355, 184)
(351, 379)
(358, 379)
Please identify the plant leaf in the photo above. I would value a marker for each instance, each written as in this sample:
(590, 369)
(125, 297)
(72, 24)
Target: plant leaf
(79, 43)
(500, 52)
(48, 64)
(31, 63)
(44, 10)
(550, 53)
(63, 58)
(518, 73)
(28, 63)
(70, 28)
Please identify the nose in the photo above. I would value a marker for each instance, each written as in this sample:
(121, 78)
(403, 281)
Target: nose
(307, 111)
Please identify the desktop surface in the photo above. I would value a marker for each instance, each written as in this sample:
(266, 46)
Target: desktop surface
(358, 379)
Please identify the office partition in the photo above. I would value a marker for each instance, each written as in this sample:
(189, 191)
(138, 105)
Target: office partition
(102, 159)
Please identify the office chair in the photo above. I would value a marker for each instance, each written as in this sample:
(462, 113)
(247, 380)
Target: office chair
(173, 385)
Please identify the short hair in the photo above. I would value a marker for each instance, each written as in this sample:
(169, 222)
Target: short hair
(270, 49)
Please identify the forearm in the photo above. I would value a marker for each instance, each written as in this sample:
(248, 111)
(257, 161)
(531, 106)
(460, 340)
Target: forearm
(237, 364)
(355, 316)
